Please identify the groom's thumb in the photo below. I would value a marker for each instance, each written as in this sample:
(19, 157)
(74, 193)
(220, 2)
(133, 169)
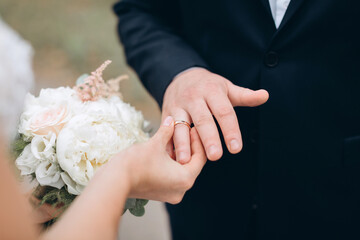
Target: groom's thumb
(245, 97)
(165, 132)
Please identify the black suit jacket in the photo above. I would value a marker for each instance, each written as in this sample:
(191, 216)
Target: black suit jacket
(298, 176)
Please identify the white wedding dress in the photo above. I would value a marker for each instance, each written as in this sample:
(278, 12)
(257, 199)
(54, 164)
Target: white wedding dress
(16, 77)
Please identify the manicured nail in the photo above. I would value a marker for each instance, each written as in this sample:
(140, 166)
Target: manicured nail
(213, 150)
(168, 121)
(234, 145)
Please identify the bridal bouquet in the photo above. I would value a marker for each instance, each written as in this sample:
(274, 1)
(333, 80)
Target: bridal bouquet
(67, 134)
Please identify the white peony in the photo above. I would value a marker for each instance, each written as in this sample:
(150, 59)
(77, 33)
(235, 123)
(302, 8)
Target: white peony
(128, 113)
(72, 186)
(48, 112)
(130, 116)
(91, 138)
(121, 111)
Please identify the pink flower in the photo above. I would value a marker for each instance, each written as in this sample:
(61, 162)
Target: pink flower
(50, 120)
(94, 86)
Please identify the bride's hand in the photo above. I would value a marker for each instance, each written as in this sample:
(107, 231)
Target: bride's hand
(153, 174)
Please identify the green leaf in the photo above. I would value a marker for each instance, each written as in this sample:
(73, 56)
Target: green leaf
(18, 146)
(54, 196)
(130, 203)
(135, 206)
(141, 202)
(138, 212)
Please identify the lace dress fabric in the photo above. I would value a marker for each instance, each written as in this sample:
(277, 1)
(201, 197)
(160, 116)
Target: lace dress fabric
(16, 78)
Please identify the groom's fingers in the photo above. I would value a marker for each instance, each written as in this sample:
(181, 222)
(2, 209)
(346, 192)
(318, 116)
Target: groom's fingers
(182, 137)
(198, 156)
(225, 115)
(206, 127)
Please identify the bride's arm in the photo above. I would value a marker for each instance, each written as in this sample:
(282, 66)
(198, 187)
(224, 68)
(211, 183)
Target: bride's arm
(15, 217)
(95, 214)
(143, 171)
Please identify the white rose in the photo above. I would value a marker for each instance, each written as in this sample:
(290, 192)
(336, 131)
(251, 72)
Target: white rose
(90, 139)
(48, 112)
(27, 162)
(49, 174)
(49, 120)
(43, 147)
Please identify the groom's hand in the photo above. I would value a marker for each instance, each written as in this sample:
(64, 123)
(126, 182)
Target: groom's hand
(197, 95)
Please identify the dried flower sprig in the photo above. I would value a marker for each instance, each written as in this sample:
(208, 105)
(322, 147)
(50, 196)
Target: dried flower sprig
(94, 86)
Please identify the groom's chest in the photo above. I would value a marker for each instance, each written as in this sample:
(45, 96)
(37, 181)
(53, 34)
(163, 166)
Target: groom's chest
(254, 19)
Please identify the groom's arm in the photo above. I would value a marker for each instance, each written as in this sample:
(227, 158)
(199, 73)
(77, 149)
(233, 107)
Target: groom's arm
(151, 34)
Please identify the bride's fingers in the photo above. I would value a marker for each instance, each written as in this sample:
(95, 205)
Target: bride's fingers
(198, 157)
(165, 133)
(170, 149)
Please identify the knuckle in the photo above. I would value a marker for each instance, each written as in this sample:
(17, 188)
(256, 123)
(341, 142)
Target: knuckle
(188, 185)
(186, 182)
(182, 148)
(224, 112)
(177, 198)
(212, 87)
(182, 145)
(203, 119)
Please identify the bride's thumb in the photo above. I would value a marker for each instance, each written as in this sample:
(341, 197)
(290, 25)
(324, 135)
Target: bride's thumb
(166, 131)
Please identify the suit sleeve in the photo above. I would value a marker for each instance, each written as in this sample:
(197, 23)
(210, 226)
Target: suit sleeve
(150, 31)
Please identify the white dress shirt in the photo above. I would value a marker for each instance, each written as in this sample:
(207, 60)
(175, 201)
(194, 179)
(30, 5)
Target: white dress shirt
(278, 9)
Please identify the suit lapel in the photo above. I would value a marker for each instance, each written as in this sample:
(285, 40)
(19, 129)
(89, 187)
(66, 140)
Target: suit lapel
(291, 10)
(267, 6)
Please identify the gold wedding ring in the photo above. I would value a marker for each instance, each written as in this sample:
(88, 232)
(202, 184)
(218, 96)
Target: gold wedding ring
(183, 122)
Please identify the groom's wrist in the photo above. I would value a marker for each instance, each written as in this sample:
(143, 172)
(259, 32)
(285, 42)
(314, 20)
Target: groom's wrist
(186, 70)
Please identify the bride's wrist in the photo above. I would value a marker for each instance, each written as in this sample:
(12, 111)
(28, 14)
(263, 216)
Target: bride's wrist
(121, 171)
(112, 175)
(127, 167)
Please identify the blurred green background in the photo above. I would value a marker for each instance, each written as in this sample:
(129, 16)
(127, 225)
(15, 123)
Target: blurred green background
(74, 37)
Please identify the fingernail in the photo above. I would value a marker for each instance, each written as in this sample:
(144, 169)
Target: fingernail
(168, 121)
(234, 145)
(182, 157)
(213, 150)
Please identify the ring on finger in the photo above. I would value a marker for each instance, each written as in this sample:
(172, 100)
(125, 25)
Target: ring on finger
(183, 122)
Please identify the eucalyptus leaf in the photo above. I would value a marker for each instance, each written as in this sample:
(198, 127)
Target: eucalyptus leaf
(141, 202)
(138, 212)
(135, 206)
(130, 203)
